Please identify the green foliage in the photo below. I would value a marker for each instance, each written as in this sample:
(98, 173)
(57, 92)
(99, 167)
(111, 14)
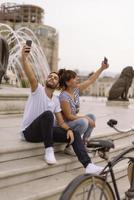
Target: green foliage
(24, 83)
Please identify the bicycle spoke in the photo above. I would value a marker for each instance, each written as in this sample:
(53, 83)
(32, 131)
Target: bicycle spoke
(88, 188)
(91, 191)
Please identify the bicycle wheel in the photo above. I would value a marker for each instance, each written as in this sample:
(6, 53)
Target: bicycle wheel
(130, 171)
(88, 187)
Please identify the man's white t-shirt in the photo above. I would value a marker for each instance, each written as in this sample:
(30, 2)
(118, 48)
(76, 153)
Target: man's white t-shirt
(38, 102)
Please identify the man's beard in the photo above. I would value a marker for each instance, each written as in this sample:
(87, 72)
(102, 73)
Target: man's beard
(51, 86)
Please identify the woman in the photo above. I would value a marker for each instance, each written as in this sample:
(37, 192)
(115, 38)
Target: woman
(69, 99)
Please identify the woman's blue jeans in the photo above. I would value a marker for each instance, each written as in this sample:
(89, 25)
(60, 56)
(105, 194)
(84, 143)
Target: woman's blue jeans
(82, 126)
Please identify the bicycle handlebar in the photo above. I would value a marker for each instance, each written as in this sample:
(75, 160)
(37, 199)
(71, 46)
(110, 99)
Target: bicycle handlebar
(112, 123)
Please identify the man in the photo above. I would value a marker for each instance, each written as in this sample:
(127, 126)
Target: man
(38, 121)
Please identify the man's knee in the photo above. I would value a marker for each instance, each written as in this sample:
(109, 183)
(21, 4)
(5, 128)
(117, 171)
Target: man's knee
(48, 115)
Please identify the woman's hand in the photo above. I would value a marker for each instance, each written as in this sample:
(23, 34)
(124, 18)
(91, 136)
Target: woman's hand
(70, 136)
(104, 65)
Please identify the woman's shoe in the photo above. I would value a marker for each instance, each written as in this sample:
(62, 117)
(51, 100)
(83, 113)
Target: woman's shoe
(69, 150)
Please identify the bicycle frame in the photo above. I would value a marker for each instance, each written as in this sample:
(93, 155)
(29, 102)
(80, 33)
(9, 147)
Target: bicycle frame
(112, 163)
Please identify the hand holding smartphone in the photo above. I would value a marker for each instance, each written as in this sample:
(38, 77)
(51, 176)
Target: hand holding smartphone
(104, 63)
(29, 44)
(105, 60)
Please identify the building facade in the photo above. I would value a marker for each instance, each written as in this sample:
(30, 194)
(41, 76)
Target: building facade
(102, 86)
(32, 16)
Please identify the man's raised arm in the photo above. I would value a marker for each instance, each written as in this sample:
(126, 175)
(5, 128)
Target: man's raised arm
(28, 69)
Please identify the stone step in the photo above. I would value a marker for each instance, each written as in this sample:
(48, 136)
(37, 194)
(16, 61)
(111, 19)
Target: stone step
(17, 149)
(11, 146)
(50, 188)
(26, 159)
(23, 149)
(26, 169)
(25, 176)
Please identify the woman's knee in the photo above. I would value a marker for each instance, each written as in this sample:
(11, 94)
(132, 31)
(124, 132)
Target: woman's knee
(82, 125)
(81, 122)
(84, 122)
(92, 116)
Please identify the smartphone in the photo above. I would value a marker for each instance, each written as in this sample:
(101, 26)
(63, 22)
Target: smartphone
(105, 60)
(29, 43)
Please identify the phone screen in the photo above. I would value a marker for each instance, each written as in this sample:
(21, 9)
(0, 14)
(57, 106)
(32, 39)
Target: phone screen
(105, 60)
(29, 43)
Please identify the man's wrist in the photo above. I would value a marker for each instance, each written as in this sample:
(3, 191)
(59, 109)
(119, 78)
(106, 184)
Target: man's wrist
(69, 129)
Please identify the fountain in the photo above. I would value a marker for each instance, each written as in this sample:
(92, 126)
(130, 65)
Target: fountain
(12, 99)
(16, 39)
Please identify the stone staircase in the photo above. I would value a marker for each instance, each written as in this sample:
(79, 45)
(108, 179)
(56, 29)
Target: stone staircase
(24, 175)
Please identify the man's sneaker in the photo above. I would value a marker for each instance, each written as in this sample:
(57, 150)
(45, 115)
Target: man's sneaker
(69, 150)
(93, 169)
(49, 156)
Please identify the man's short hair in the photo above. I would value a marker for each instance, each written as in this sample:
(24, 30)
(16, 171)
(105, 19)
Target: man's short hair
(54, 73)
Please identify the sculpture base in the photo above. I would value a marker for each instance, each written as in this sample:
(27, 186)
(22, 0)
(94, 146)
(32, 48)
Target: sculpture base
(12, 99)
(118, 103)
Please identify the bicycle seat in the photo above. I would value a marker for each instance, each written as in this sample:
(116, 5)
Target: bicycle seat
(101, 144)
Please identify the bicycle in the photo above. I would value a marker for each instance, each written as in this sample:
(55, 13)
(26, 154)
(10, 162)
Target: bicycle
(97, 187)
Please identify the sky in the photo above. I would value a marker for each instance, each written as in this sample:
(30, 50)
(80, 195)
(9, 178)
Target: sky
(89, 30)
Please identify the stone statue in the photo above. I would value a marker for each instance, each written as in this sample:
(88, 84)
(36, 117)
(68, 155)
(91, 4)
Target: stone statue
(119, 89)
(4, 56)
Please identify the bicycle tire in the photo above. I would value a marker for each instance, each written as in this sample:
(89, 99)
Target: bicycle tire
(81, 188)
(130, 172)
